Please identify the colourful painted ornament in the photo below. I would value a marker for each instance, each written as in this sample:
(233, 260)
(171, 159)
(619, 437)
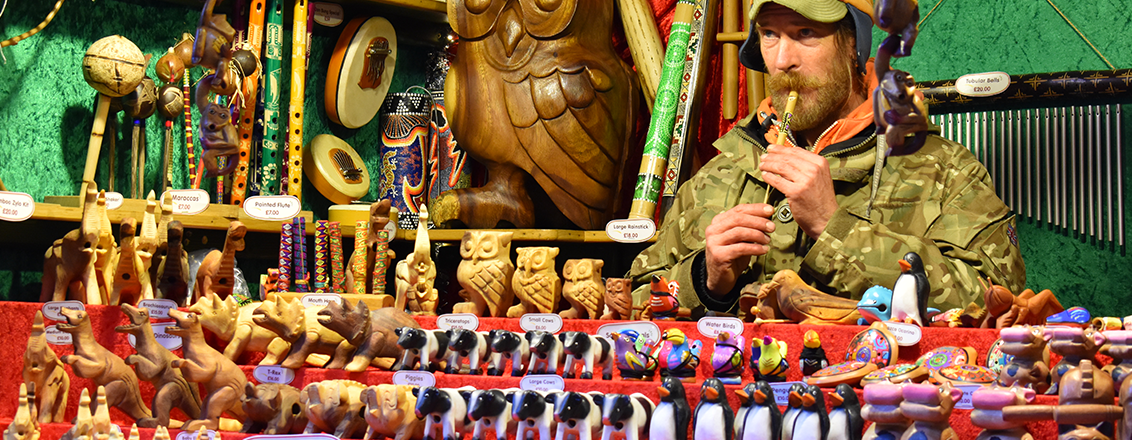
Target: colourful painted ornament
(358, 267)
(947, 356)
(727, 358)
(337, 264)
(321, 257)
(964, 375)
(285, 246)
(380, 265)
(996, 358)
(898, 373)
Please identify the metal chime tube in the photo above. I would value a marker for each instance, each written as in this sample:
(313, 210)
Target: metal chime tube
(1119, 178)
(1108, 167)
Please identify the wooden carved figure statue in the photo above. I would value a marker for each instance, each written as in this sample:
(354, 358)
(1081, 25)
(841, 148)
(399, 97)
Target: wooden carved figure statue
(153, 363)
(217, 271)
(222, 379)
(380, 213)
(24, 425)
(106, 254)
(44, 371)
(416, 274)
(335, 407)
(93, 361)
(70, 260)
(83, 423)
(536, 283)
(485, 273)
(300, 327)
(232, 323)
(272, 408)
(172, 283)
(583, 288)
(131, 279)
(161, 243)
(537, 88)
(618, 299)
(389, 412)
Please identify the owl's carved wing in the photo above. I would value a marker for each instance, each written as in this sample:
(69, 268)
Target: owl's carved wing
(540, 289)
(590, 295)
(492, 280)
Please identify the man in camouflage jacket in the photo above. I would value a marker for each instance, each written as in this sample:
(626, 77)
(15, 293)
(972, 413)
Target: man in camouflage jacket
(938, 202)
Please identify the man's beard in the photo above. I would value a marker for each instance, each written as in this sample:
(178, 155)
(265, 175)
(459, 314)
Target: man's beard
(831, 93)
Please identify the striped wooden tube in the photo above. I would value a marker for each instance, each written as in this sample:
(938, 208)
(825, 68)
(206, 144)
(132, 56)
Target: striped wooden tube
(302, 279)
(358, 265)
(380, 263)
(298, 94)
(239, 183)
(337, 264)
(321, 257)
(285, 239)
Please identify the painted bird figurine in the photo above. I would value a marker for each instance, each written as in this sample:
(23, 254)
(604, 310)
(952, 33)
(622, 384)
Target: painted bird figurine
(910, 294)
(768, 359)
(671, 417)
(683, 357)
(713, 419)
(727, 358)
(812, 422)
(793, 408)
(633, 359)
(845, 422)
(759, 417)
(663, 301)
(812, 357)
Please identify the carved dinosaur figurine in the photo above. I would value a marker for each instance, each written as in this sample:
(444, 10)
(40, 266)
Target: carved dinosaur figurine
(131, 279)
(223, 381)
(371, 332)
(233, 324)
(787, 296)
(389, 412)
(335, 406)
(93, 361)
(106, 254)
(273, 408)
(217, 270)
(172, 282)
(24, 425)
(153, 364)
(416, 274)
(70, 260)
(299, 326)
(44, 371)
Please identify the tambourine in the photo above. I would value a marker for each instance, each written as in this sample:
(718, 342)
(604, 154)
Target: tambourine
(335, 169)
(360, 71)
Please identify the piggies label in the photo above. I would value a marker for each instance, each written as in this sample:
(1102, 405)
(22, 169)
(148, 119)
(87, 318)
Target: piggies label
(56, 337)
(16, 207)
(906, 335)
(188, 201)
(273, 374)
(466, 321)
(320, 299)
(644, 329)
(712, 326)
(51, 309)
(414, 378)
(965, 401)
(545, 322)
(114, 200)
(158, 308)
(782, 392)
(192, 435)
(542, 382)
(166, 340)
(272, 208)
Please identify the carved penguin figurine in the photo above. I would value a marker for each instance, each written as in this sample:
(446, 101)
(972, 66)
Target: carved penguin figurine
(713, 419)
(761, 419)
(670, 419)
(812, 422)
(845, 422)
(910, 294)
(794, 407)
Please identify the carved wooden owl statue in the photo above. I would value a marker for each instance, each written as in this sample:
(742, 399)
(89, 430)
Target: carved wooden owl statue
(618, 298)
(536, 283)
(536, 88)
(583, 288)
(485, 273)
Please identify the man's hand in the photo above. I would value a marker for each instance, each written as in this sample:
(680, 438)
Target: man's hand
(731, 239)
(803, 177)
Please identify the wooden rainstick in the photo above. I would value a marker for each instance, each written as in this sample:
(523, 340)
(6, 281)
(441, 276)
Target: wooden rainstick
(223, 381)
(93, 361)
(131, 280)
(153, 363)
(535, 283)
(71, 259)
(485, 273)
(416, 274)
(217, 271)
(173, 284)
(45, 372)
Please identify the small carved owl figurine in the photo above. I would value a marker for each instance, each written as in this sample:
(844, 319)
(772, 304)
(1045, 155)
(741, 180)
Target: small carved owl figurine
(618, 298)
(583, 288)
(485, 273)
(536, 283)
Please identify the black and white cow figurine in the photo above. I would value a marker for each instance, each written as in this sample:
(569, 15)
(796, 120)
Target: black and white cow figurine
(625, 416)
(510, 346)
(584, 348)
(444, 410)
(546, 352)
(426, 347)
(578, 416)
(534, 410)
(490, 410)
(466, 344)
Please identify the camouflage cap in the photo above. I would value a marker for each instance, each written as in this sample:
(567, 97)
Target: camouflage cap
(823, 11)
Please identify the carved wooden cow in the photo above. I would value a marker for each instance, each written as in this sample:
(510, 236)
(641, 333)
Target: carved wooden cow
(507, 345)
(587, 349)
(425, 348)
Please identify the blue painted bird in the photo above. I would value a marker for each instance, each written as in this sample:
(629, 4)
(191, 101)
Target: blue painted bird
(684, 357)
(768, 359)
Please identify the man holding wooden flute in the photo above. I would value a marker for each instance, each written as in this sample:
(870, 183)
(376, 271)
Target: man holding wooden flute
(840, 212)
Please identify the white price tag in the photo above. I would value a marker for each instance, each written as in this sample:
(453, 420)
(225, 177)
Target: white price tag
(542, 382)
(712, 326)
(114, 200)
(158, 308)
(414, 378)
(965, 401)
(782, 392)
(188, 201)
(51, 309)
(273, 374)
(546, 322)
(169, 341)
(645, 329)
(56, 337)
(328, 14)
(630, 230)
(192, 435)
(272, 208)
(16, 207)
(465, 321)
(982, 84)
(906, 334)
(320, 299)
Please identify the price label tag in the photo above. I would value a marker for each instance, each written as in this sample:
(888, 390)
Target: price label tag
(188, 201)
(465, 321)
(16, 207)
(166, 340)
(906, 335)
(982, 84)
(272, 208)
(965, 401)
(414, 378)
(158, 308)
(712, 326)
(628, 230)
(546, 322)
(782, 392)
(192, 435)
(542, 382)
(114, 200)
(645, 329)
(320, 299)
(328, 14)
(56, 337)
(312, 436)
(273, 374)
(51, 309)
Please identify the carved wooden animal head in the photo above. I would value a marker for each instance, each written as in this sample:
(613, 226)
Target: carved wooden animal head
(39, 359)
(478, 246)
(217, 315)
(347, 320)
(187, 323)
(78, 321)
(138, 317)
(388, 406)
(284, 318)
